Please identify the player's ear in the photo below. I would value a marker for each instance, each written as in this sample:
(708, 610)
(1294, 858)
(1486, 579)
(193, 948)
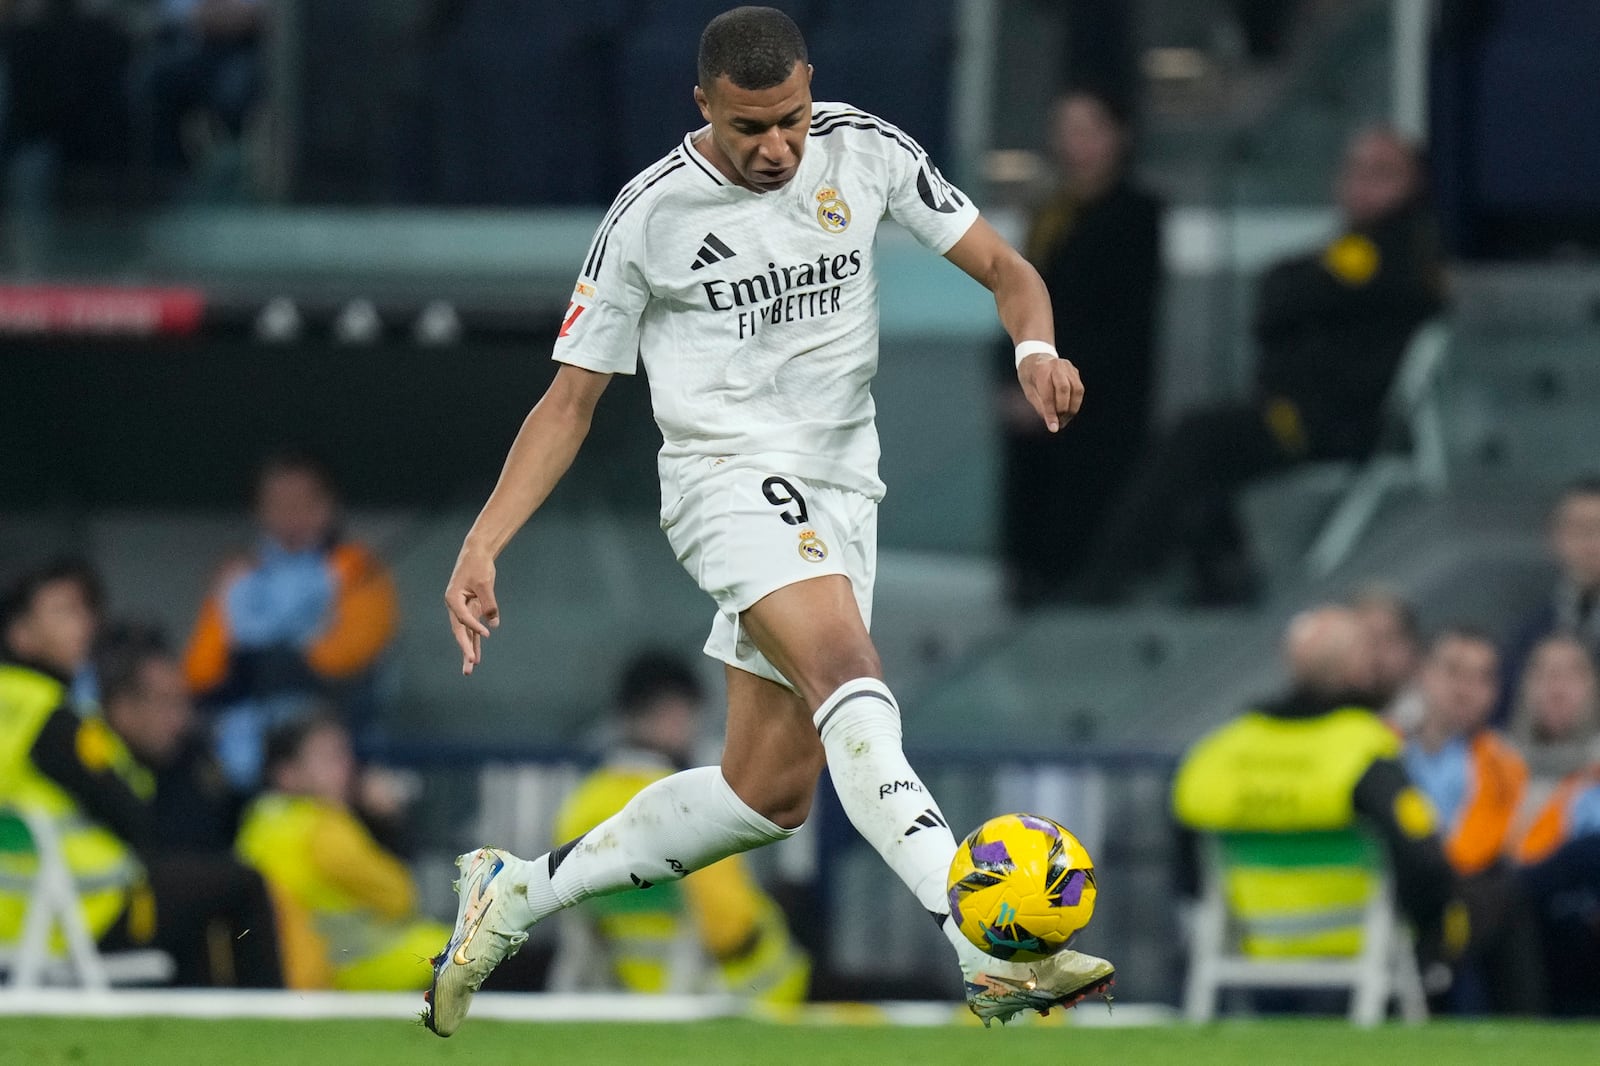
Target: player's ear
(701, 101)
(810, 70)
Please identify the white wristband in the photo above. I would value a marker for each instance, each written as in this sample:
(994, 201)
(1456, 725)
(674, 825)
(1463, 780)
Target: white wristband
(1027, 348)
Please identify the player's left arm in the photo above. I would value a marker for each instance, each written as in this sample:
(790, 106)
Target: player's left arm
(1050, 383)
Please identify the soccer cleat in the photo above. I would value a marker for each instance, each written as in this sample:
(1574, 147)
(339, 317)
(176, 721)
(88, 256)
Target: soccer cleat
(997, 989)
(482, 939)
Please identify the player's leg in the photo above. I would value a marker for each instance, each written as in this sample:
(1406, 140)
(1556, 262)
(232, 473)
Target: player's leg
(813, 632)
(771, 757)
(668, 829)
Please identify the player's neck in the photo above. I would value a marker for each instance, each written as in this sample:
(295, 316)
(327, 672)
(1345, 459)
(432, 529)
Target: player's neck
(706, 145)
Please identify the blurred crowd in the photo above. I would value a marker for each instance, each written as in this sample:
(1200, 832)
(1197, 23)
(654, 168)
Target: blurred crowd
(1475, 758)
(208, 797)
(212, 793)
(123, 100)
(1121, 505)
(213, 802)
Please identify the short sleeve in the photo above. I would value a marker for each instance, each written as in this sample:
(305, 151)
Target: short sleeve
(600, 328)
(923, 201)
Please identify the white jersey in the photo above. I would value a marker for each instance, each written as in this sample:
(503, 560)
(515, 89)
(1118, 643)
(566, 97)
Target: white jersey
(756, 314)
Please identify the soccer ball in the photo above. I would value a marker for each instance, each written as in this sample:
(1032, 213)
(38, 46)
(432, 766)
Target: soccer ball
(1021, 887)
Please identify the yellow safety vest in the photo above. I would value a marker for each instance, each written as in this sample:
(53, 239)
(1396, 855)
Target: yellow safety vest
(275, 837)
(1296, 883)
(103, 865)
(642, 928)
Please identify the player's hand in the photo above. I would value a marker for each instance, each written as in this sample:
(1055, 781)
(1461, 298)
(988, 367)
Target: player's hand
(469, 598)
(1053, 388)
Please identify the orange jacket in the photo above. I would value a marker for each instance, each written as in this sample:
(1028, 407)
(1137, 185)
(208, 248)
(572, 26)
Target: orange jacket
(1482, 830)
(362, 624)
(1551, 828)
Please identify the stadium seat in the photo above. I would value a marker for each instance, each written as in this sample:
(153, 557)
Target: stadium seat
(53, 902)
(1410, 455)
(1245, 934)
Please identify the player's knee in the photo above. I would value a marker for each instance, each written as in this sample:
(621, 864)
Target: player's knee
(789, 807)
(782, 795)
(838, 670)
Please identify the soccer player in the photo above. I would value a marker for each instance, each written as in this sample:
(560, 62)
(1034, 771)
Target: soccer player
(741, 267)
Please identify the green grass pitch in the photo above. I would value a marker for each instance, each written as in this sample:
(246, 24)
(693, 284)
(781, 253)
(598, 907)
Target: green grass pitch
(133, 1042)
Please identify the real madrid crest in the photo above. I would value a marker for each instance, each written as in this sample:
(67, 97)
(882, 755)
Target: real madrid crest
(832, 212)
(812, 550)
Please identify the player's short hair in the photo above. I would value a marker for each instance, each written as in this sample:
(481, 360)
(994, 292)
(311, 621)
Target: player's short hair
(652, 676)
(754, 47)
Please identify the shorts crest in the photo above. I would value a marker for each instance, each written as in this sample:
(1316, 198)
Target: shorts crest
(812, 549)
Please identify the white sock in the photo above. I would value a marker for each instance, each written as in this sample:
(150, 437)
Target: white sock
(670, 828)
(884, 797)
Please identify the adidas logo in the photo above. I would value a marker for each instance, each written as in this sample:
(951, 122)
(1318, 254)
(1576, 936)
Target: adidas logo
(712, 250)
(927, 820)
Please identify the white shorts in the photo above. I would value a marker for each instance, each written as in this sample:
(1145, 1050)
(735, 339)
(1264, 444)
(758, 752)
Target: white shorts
(743, 531)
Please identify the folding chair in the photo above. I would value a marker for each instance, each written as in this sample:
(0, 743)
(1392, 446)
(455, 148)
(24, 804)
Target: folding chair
(1254, 929)
(53, 902)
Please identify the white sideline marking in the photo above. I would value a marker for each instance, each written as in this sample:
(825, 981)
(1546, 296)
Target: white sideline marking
(610, 1008)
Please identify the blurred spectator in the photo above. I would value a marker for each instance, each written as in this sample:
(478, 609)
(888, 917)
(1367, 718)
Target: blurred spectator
(148, 705)
(1327, 762)
(212, 915)
(1574, 605)
(1561, 874)
(1557, 717)
(661, 939)
(303, 620)
(86, 682)
(1096, 243)
(204, 76)
(64, 123)
(349, 907)
(1391, 622)
(1475, 779)
(1565, 890)
(1331, 327)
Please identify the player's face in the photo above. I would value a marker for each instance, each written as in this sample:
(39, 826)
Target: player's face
(758, 135)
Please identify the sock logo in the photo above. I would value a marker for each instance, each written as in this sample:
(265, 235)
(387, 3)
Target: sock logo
(927, 820)
(639, 882)
(899, 786)
(677, 867)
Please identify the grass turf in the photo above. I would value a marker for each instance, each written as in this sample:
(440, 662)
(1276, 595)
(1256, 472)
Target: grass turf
(170, 1042)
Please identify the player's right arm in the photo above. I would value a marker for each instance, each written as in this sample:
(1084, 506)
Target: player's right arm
(599, 337)
(544, 449)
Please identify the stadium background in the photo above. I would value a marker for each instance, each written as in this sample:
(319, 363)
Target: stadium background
(440, 166)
